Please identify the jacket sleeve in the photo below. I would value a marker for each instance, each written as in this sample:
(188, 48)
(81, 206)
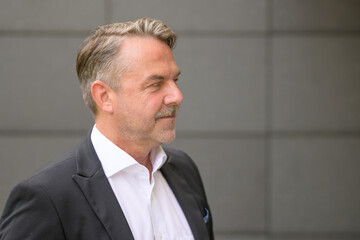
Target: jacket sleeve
(30, 214)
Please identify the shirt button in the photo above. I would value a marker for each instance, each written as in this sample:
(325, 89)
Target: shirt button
(160, 236)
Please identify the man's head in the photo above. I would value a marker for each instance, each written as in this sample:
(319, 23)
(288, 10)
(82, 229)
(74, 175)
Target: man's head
(100, 58)
(128, 76)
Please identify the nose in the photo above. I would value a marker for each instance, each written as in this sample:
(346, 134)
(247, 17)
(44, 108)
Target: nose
(173, 94)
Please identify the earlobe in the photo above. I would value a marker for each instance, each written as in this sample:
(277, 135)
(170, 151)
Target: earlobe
(101, 95)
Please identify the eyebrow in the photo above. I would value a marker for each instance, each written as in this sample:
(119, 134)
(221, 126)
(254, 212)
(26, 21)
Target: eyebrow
(161, 77)
(178, 74)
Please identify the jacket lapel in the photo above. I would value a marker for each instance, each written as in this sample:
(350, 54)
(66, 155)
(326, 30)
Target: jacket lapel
(186, 199)
(95, 186)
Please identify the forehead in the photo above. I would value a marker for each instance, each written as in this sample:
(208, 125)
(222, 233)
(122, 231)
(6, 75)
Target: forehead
(146, 53)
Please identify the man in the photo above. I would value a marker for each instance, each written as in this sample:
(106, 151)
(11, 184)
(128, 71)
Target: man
(119, 183)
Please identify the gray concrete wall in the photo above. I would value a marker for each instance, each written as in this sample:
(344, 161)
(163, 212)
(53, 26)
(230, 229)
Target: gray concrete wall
(271, 110)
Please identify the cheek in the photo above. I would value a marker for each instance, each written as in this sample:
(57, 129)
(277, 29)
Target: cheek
(151, 104)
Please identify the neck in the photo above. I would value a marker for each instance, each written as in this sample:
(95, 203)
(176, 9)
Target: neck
(139, 151)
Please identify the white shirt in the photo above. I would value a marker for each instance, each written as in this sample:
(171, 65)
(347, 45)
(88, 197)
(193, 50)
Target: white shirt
(151, 209)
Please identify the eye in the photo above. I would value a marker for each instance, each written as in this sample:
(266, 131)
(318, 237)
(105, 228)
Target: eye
(176, 81)
(157, 84)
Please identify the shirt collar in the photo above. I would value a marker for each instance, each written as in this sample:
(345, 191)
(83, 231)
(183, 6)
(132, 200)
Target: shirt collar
(113, 159)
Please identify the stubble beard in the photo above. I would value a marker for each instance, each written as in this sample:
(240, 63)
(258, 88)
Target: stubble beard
(164, 132)
(167, 133)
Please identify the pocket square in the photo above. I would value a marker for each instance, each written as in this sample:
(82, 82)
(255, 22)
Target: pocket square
(206, 218)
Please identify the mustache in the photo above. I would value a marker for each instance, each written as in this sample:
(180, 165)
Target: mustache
(171, 111)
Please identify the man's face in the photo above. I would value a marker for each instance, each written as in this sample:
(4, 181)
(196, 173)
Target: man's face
(148, 100)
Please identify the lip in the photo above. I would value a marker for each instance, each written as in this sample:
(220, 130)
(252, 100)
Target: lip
(169, 118)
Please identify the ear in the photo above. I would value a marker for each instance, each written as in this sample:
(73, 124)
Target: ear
(101, 95)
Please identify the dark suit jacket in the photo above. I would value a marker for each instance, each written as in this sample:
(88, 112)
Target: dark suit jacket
(72, 199)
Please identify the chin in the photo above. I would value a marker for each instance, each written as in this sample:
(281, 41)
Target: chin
(167, 137)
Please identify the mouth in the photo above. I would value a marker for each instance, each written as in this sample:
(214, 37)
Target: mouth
(168, 117)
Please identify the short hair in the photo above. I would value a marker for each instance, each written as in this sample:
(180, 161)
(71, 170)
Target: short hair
(99, 57)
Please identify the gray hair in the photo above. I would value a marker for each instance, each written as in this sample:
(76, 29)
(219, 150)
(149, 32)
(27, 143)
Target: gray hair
(99, 57)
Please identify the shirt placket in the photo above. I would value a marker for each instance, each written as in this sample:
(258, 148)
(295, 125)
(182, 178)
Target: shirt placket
(159, 228)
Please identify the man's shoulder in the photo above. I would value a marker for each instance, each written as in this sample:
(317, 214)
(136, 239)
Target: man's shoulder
(57, 172)
(175, 152)
(180, 160)
(177, 156)
(64, 166)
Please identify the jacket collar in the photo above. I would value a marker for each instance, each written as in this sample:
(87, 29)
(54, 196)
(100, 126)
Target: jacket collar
(95, 186)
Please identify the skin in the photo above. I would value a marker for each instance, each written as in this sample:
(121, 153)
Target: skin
(129, 117)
